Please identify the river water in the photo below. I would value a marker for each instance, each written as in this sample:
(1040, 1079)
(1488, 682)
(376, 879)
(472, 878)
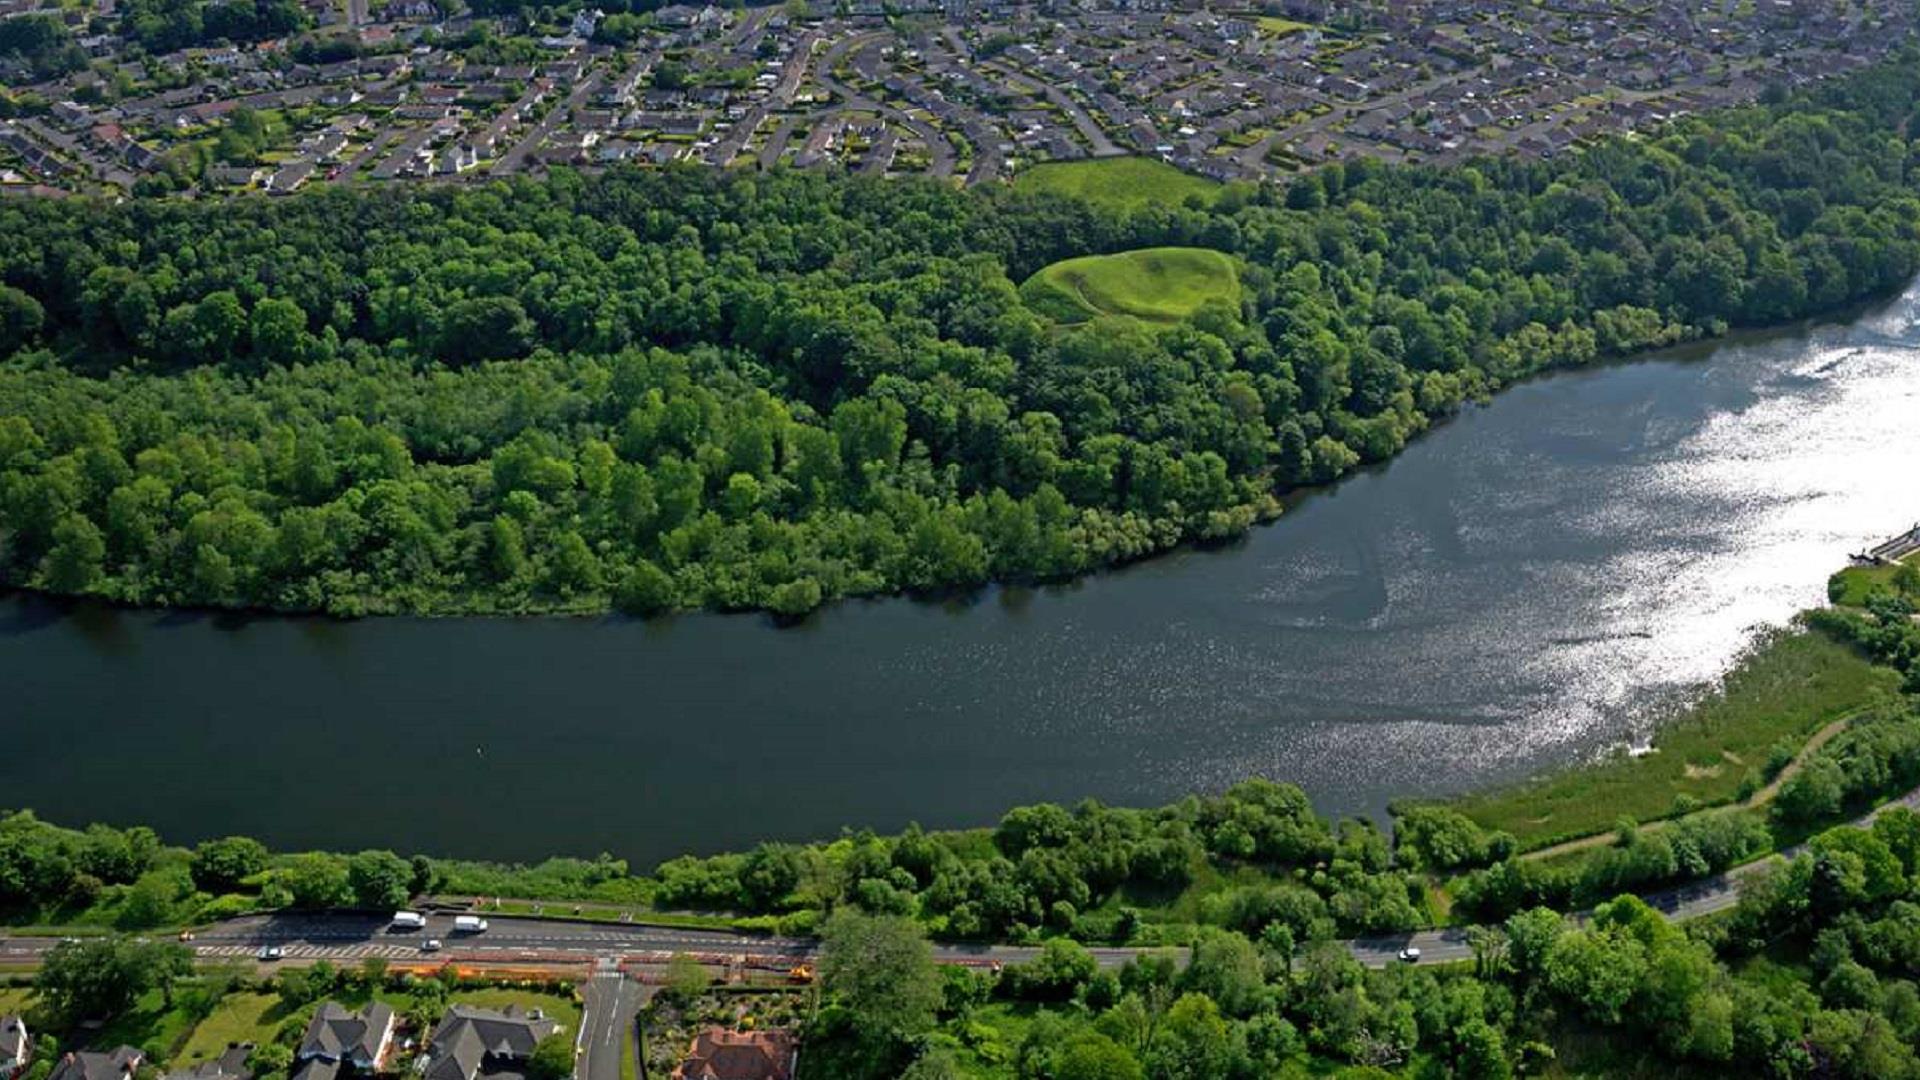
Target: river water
(1538, 580)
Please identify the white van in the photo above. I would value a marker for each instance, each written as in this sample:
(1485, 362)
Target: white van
(469, 924)
(409, 920)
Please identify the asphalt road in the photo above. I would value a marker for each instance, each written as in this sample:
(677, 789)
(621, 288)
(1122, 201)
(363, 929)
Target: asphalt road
(609, 1003)
(938, 148)
(514, 939)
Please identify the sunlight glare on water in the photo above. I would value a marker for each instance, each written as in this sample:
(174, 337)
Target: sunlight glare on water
(1731, 528)
(1538, 580)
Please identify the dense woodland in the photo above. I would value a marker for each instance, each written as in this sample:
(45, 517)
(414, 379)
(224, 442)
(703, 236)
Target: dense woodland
(659, 390)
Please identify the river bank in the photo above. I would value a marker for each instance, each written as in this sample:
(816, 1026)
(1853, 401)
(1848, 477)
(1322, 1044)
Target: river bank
(1537, 581)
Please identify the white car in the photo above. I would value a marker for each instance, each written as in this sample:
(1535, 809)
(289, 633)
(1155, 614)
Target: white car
(271, 952)
(430, 945)
(1410, 955)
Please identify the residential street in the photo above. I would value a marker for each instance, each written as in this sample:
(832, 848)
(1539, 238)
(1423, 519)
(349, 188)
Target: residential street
(609, 1002)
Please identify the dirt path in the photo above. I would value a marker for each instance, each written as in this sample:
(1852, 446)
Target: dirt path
(1759, 798)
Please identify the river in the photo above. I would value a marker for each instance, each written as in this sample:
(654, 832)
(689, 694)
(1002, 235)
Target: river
(1538, 580)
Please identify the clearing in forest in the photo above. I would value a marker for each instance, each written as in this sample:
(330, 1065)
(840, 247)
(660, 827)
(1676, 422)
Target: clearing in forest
(1163, 284)
(1128, 182)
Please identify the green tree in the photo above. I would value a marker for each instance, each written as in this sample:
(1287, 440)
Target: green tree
(1227, 969)
(646, 590)
(552, 1058)
(379, 879)
(21, 318)
(881, 970)
(220, 866)
(1194, 1042)
(317, 880)
(101, 977)
(686, 979)
(770, 872)
(278, 330)
(1089, 1055)
(73, 564)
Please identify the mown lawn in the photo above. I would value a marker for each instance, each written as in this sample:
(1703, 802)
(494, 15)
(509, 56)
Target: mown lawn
(1118, 181)
(1156, 284)
(1790, 686)
(1275, 26)
(1852, 586)
(150, 1025)
(239, 1018)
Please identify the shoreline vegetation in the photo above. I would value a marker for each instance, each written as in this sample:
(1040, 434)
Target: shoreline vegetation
(656, 391)
(1807, 972)
(1788, 685)
(1760, 748)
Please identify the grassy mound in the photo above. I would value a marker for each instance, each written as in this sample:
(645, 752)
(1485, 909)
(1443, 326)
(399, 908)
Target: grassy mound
(1158, 284)
(1124, 181)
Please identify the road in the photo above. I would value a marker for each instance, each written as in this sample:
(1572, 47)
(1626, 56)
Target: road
(609, 1003)
(1693, 900)
(532, 940)
(345, 938)
(515, 158)
(937, 146)
(1098, 142)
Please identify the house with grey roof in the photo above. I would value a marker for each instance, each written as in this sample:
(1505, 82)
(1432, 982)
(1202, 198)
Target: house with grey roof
(472, 1042)
(338, 1040)
(230, 1065)
(117, 1064)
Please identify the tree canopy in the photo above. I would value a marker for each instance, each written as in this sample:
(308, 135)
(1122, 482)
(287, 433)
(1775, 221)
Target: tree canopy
(691, 388)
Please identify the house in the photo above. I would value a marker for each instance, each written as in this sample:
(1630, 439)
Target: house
(337, 1039)
(16, 1047)
(231, 1065)
(118, 1064)
(719, 1054)
(326, 147)
(286, 180)
(471, 1042)
(235, 176)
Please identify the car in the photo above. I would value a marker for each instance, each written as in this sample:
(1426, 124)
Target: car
(432, 944)
(271, 952)
(186, 935)
(1410, 954)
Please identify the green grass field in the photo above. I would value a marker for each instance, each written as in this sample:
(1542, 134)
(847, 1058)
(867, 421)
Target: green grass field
(1156, 284)
(246, 1017)
(148, 1025)
(1850, 587)
(1120, 181)
(1786, 689)
(1275, 26)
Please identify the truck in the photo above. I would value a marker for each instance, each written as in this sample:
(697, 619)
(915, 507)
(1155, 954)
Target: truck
(409, 920)
(469, 924)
